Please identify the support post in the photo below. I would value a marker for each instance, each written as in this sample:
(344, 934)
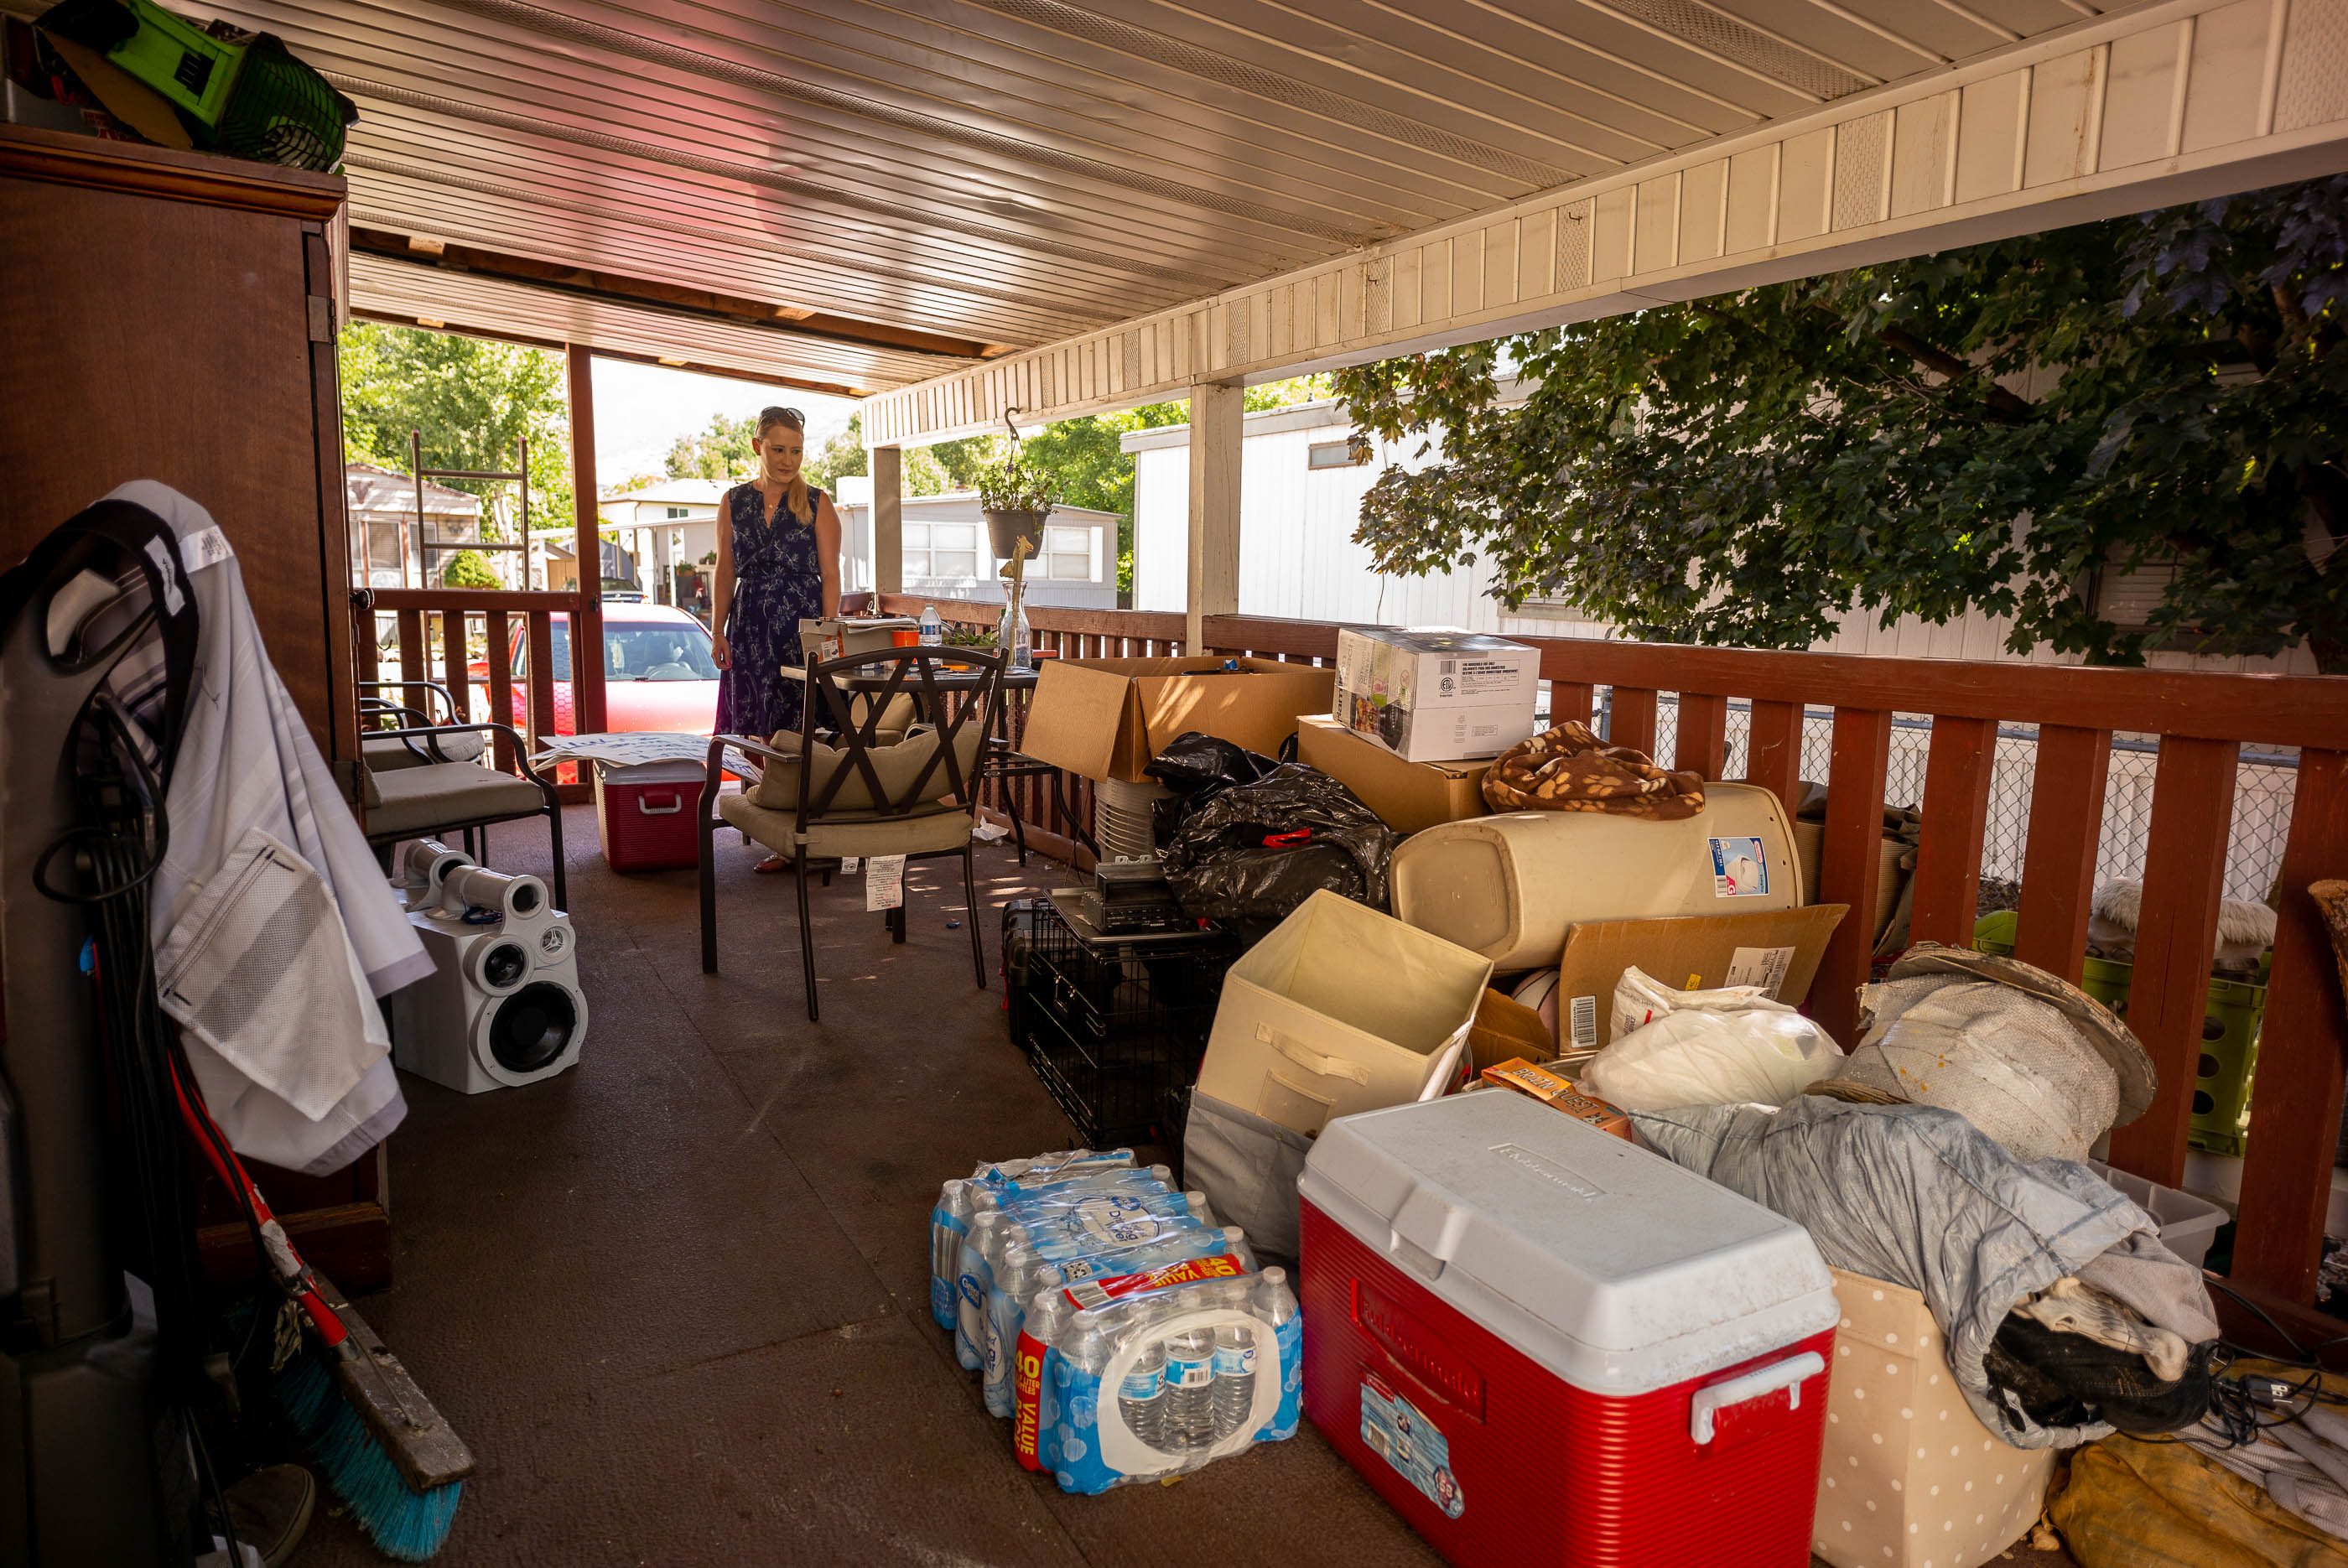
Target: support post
(587, 621)
(887, 520)
(1217, 429)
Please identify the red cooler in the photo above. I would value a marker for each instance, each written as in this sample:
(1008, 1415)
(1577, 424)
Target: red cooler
(1546, 1347)
(645, 815)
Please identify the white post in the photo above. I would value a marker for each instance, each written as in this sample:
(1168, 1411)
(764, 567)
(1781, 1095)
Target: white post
(887, 520)
(1216, 431)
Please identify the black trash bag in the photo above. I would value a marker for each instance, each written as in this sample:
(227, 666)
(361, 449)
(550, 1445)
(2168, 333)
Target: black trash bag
(1197, 767)
(1256, 851)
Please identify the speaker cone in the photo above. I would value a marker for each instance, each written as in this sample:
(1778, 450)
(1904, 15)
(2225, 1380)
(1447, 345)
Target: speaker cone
(504, 965)
(532, 1028)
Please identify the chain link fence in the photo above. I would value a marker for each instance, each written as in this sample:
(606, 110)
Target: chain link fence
(2263, 791)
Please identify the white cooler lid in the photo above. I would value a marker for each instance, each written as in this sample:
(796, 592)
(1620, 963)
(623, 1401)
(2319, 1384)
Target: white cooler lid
(678, 771)
(1610, 1265)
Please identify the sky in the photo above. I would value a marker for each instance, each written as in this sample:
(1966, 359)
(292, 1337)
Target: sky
(640, 409)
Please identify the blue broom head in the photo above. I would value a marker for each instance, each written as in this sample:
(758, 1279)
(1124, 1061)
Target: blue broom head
(404, 1525)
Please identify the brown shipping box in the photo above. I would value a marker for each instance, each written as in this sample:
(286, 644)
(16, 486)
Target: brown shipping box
(1911, 1478)
(1105, 719)
(1406, 796)
(1777, 948)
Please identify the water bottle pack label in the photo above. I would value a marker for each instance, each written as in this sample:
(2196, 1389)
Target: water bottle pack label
(1086, 1295)
(1070, 1436)
(1027, 1400)
(1398, 1433)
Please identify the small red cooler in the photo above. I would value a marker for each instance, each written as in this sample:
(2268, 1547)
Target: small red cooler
(1546, 1347)
(644, 814)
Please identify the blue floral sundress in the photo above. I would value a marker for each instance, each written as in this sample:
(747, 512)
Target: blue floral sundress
(779, 583)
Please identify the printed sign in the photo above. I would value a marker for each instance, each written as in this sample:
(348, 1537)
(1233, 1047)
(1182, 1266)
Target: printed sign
(1398, 1433)
(884, 882)
(1740, 868)
(1762, 966)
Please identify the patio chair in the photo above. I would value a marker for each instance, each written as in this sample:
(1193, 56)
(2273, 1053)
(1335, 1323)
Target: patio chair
(383, 751)
(841, 787)
(428, 800)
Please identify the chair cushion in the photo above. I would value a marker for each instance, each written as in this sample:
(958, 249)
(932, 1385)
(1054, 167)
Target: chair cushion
(457, 745)
(848, 832)
(408, 801)
(897, 767)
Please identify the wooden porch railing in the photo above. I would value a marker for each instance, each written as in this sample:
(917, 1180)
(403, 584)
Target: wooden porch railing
(436, 631)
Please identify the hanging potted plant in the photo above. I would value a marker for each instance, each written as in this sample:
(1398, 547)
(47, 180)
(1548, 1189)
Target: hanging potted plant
(1016, 497)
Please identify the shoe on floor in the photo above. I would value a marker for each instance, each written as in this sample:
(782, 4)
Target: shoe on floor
(270, 1508)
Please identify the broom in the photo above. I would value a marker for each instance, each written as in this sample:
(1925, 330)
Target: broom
(388, 1453)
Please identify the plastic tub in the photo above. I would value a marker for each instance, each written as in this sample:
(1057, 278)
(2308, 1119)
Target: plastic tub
(2187, 1222)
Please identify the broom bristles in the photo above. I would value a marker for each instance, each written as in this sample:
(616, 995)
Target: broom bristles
(404, 1524)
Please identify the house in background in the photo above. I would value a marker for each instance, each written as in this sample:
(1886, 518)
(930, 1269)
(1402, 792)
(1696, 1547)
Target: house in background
(672, 529)
(386, 549)
(948, 556)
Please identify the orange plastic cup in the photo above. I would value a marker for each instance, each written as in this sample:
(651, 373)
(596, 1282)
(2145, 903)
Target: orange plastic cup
(905, 636)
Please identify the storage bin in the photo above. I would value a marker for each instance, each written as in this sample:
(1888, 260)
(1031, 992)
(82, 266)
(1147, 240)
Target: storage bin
(1341, 1009)
(1508, 886)
(2187, 1222)
(2229, 1037)
(645, 815)
(1549, 1348)
(1911, 1478)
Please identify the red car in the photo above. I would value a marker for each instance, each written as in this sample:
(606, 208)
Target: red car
(657, 671)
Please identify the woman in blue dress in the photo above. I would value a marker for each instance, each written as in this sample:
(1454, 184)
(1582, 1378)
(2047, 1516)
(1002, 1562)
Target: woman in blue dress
(778, 563)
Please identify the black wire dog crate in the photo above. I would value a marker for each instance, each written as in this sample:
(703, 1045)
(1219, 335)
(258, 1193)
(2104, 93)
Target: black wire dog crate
(1110, 1023)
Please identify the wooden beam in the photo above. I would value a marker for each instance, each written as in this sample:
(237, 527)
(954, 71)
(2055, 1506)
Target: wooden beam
(2058, 864)
(698, 367)
(1850, 858)
(1957, 774)
(649, 293)
(888, 520)
(1217, 429)
(587, 622)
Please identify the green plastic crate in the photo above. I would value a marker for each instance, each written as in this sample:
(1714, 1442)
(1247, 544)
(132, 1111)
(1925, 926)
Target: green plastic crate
(2229, 1037)
(181, 61)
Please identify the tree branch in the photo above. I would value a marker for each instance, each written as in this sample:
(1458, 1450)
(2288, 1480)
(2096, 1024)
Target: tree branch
(2003, 404)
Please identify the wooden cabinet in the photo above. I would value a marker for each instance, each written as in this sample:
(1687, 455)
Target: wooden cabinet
(169, 315)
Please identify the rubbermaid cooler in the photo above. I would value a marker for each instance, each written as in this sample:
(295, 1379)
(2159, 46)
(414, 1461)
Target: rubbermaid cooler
(1549, 1348)
(645, 815)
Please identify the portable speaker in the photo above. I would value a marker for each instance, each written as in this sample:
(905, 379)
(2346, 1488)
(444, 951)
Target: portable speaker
(503, 1007)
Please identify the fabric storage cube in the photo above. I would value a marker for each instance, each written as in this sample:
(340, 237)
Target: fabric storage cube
(1508, 886)
(1340, 1009)
(1911, 1478)
(645, 815)
(1546, 1347)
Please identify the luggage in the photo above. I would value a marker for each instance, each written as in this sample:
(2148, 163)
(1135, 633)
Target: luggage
(1508, 886)
(1549, 1348)
(645, 815)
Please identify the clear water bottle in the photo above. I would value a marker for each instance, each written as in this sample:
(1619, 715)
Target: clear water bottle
(1190, 1389)
(1141, 1397)
(1234, 1367)
(1274, 1302)
(933, 629)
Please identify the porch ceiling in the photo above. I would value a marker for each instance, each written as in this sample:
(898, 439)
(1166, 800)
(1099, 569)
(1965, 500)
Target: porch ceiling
(1001, 174)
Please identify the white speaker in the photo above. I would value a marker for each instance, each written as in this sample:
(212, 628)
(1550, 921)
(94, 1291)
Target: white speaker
(503, 1007)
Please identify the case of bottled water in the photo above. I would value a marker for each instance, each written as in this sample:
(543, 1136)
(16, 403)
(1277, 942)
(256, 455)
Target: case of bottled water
(950, 1221)
(1158, 1372)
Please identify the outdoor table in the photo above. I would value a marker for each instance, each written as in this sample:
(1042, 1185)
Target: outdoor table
(943, 683)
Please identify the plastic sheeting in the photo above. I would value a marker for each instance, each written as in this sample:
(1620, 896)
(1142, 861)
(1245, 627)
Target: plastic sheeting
(1256, 851)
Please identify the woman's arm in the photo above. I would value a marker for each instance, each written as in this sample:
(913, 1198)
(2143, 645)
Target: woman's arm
(826, 553)
(721, 586)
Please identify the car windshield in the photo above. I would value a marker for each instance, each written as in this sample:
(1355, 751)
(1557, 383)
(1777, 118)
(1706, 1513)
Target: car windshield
(645, 650)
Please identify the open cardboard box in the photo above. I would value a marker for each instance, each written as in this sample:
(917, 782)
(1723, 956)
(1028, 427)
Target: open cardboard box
(1107, 719)
(1406, 796)
(1776, 948)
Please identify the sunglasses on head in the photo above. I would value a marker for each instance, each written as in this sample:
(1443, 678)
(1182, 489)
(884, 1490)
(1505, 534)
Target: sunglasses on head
(780, 415)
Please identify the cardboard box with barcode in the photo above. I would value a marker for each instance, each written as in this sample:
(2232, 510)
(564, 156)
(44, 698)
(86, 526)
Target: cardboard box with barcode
(1107, 719)
(1911, 1478)
(1408, 796)
(1777, 949)
(1436, 693)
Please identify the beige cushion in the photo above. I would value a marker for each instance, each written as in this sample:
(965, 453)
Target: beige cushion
(457, 745)
(406, 801)
(896, 765)
(848, 832)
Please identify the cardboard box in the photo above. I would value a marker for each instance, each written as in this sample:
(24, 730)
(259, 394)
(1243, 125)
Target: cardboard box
(1909, 1476)
(1435, 694)
(1406, 796)
(1107, 719)
(1778, 948)
(1505, 1031)
(1341, 1009)
(1558, 1093)
(838, 637)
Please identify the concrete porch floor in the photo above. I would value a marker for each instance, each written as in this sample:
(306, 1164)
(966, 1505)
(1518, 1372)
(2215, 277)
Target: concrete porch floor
(677, 1299)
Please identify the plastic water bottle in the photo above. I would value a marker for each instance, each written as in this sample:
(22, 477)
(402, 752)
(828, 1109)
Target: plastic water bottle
(1274, 1302)
(1190, 1389)
(1234, 1365)
(933, 630)
(1141, 1397)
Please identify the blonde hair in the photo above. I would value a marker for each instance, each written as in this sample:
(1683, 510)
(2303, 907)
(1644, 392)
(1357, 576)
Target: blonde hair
(792, 419)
